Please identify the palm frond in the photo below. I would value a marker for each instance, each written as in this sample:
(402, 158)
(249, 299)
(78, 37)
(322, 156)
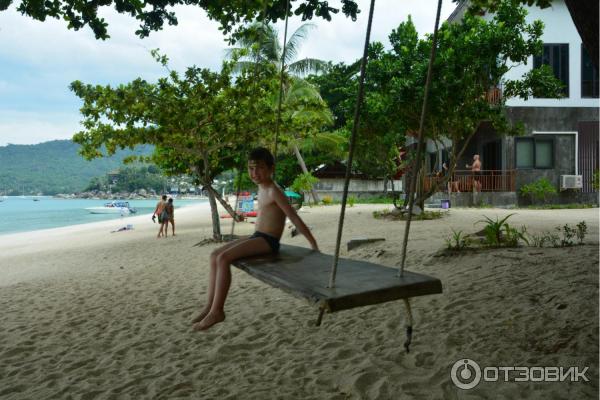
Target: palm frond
(241, 66)
(295, 41)
(308, 65)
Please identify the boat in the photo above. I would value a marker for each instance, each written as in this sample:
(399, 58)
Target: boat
(114, 207)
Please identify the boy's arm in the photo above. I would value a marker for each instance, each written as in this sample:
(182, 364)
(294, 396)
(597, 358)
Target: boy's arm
(289, 211)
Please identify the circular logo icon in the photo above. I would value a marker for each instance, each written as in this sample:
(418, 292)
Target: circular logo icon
(465, 374)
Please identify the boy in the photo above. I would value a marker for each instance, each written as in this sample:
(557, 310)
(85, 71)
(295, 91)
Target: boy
(274, 207)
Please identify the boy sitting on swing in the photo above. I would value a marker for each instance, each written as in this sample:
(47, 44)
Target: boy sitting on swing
(274, 207)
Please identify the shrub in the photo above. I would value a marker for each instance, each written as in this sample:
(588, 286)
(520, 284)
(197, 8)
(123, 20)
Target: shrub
(541, 190)
(596, 180)
(581, 231)
(458, 241)
(304, 182)
(351, 201)
(500, 233)
(568, 233)
(327, 200)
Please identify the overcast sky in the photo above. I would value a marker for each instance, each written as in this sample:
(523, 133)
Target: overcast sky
(38, 60)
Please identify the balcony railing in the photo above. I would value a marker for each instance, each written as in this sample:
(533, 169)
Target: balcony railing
(494, 95)
(490, 180)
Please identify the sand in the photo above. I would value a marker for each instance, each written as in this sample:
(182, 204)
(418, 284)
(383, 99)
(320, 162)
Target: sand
(89, 314)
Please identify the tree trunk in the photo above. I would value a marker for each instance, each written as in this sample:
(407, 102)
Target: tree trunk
(584, 14)
(222, 201)
(305, 170)
(216, 223)
(421, 187)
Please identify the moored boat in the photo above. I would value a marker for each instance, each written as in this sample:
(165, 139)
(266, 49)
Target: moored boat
(114, 207)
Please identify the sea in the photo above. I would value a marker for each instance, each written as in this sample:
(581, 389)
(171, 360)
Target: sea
(30, 213)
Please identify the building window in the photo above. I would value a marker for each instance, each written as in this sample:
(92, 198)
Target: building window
(534, 153)
(557, 57)
(589, 76)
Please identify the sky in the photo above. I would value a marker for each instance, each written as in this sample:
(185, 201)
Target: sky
(38, 60)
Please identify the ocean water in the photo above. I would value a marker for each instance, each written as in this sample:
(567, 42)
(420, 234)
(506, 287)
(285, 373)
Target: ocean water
(20, 214)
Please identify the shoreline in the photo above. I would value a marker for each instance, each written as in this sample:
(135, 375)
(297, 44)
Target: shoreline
(129, 219)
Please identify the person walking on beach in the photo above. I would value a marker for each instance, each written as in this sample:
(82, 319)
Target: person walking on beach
(159, 213)
(170, 209)
(476, 171)
(274, 207)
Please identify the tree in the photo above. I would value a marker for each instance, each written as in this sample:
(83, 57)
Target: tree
(152, 14)
(259, 43)
(472, 57)
(200, 122)
(584, 14)
(304, 110)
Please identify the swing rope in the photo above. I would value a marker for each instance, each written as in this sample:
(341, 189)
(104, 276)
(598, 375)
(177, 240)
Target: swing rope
(285, 32)
(420, 143)
(256, 67)
(361, 87)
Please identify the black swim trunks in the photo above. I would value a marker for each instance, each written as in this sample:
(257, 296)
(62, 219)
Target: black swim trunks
(271, 240)
(477, 175)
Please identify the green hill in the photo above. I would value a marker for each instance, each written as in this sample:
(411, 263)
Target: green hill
(53, 167)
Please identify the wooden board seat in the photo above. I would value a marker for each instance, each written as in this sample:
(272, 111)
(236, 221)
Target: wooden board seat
(305, 273)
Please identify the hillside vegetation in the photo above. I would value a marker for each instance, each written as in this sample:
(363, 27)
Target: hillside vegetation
(54, 167)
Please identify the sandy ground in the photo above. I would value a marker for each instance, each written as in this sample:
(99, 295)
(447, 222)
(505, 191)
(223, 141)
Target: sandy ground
(89, 314)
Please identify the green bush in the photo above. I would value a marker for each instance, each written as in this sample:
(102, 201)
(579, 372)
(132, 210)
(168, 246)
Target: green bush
(596, 180)
(458, 241)
(500, 233)
(540, 190)
(351, 201)
(304, 182)
(327, 200)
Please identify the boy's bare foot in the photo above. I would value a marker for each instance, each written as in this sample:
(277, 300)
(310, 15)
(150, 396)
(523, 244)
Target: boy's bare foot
(211, 319)
(201, 316)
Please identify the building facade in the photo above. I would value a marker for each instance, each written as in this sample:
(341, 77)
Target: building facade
(561, 134)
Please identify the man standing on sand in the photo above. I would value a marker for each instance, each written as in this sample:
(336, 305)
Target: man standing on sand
(158, 212)
(476, 171)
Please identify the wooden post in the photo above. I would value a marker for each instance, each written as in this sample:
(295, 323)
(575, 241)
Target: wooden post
(409, 326)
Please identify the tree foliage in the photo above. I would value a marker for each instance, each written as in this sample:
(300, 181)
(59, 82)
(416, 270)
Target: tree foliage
(152, 14)
(473, 56)
(131, 178)
(201, 122)
(54, 167)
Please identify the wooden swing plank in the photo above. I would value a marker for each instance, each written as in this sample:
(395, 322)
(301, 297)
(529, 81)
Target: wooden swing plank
(305, 273)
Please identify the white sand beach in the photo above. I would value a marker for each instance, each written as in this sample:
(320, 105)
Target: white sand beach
(89, 314)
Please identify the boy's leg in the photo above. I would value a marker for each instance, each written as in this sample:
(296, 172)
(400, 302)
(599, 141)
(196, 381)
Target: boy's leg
(247, 248)
(212, 276)
(173, 226)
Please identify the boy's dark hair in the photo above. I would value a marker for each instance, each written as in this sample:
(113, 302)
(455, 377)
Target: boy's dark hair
(262, 154)
(171, 200)
(164, 196)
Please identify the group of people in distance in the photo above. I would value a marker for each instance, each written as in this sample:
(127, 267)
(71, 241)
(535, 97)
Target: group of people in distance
(475, 171)
(166, 214)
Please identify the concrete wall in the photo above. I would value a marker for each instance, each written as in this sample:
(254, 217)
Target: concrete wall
(558, 123)
(356, 186)
(496, 199)
(360, 188)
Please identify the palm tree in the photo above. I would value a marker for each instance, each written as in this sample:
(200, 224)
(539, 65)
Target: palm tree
(259, 45)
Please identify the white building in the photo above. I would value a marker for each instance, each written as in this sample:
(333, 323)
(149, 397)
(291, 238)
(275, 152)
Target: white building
(561, 134)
